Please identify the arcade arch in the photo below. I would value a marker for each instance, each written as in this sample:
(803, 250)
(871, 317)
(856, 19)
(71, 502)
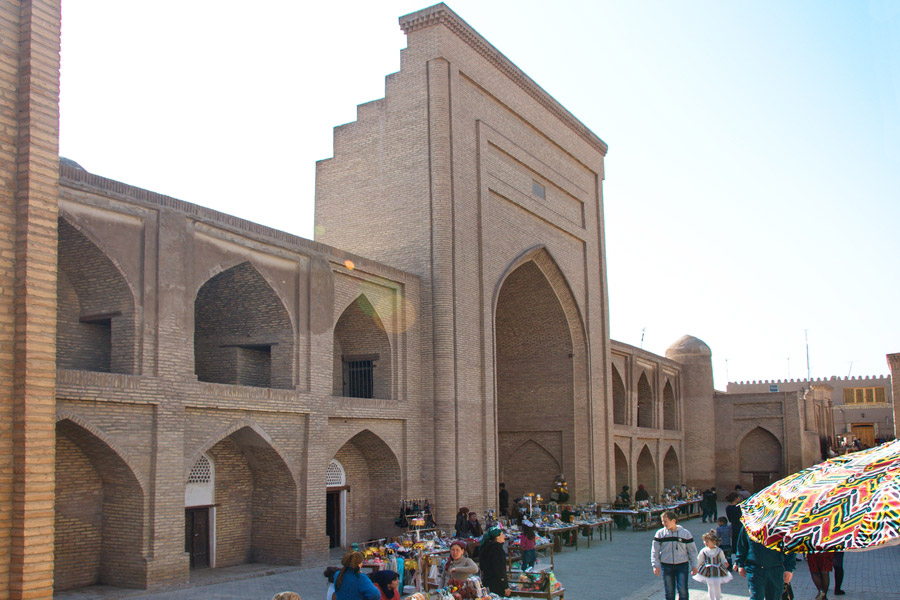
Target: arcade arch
(644, 402)
(242, 332)
(256, 503)
(99, 506)
(95, 317)
(671, 469)
(620, 399)
(646, 471)
(362, 353)
(372, 482)
(670, 408)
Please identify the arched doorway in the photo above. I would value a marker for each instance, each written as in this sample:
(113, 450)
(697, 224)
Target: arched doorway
(620, 399)
(671, 470)
(256, 502)
(644, 402)
(646, 471)
(670, 408)
(336, 504)
(200, 514)
(540, 365)
(242, 332)
(621, 470)
(99, 514)
(373, 485)
(760, 458)
(362, 353)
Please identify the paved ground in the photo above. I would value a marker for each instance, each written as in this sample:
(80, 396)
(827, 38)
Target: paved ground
(607, 571)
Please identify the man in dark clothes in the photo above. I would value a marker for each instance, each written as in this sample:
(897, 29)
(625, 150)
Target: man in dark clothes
(766, 570)
(504, 500)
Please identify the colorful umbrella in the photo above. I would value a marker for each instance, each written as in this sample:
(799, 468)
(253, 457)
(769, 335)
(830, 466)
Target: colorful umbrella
(847, 503)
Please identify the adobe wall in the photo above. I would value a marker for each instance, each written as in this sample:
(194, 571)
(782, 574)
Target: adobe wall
(450, 158)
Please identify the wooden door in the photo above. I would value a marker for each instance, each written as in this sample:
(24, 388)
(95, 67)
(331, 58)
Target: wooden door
(196, 536)
(865, 432)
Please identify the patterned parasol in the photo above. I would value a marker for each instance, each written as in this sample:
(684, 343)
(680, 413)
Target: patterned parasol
(850, 502)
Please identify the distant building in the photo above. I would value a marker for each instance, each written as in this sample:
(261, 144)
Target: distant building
(860, 406)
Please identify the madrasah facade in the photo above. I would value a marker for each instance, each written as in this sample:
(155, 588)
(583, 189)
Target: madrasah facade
(187, 389)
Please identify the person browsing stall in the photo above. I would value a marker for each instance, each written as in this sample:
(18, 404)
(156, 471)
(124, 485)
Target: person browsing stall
(493, 562)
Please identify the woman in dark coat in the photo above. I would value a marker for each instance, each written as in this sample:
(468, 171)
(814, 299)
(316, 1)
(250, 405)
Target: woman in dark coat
(492, 559)
(462, 519)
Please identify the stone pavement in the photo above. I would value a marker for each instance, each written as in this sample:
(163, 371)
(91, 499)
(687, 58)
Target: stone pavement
(607, 571)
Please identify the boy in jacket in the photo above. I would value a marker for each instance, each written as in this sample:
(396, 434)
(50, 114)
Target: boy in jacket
(674, 553)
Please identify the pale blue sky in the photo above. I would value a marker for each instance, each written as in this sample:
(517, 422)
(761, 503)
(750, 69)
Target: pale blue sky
(753, 179)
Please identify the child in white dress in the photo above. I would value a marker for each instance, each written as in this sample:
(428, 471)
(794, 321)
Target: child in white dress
(713, 566)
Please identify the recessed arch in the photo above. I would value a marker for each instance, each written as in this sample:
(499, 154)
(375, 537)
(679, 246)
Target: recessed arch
(761, 457)
(374, 478)
(671, 469)
(96, 315)
(100, 519)
(362, 365)
(622, 473)
(529, 468)
(243, 334)
(256, 498)
(539, 367)
(670, 408)
(646, 471)
(645, 408)
(620, 399)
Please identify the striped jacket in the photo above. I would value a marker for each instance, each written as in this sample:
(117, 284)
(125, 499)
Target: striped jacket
(673, 547)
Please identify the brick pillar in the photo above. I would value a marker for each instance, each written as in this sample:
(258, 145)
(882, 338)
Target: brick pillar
(894, 363)
(29, 168)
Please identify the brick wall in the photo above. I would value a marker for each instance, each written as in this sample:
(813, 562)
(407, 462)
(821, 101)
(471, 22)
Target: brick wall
(238, 308)
(29, 142)
(760, 451)
(645, 403)
(671, 470)
(620, 399)
(670, 408)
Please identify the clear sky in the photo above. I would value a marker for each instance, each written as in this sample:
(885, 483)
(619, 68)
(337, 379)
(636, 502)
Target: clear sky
(752, 187)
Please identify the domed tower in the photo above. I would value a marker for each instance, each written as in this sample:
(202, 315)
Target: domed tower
(698, 412)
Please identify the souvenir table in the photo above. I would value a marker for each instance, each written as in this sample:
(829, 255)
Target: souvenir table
(557, 533)
(587, 528)
(641, 518)
(541, 584)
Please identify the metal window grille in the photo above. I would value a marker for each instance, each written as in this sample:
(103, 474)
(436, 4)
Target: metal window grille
(359, 379)
(201, 472)
(334, 475)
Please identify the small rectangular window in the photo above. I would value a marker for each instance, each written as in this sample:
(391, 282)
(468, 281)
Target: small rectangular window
(538, 190)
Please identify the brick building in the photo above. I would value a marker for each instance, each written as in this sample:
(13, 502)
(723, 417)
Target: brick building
(187, 389)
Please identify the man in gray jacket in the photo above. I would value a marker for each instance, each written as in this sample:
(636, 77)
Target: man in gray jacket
(675, 554)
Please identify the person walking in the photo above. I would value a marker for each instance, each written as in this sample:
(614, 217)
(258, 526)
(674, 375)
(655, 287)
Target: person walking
(820, 565)
(838, 573)
(713, 569)
(462, 517)
(527, 544)
(350, 584)
(724, 533)
(733, 512)
(673, 554)
(504, 500)
(766, 570)
(492, 558)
